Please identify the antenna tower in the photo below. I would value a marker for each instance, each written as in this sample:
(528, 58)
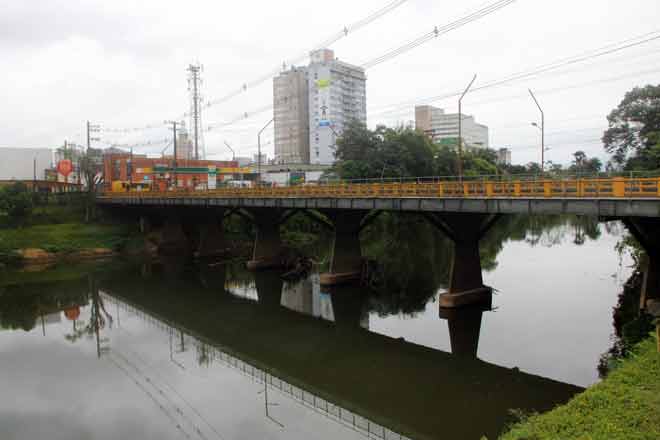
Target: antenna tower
(194, 85)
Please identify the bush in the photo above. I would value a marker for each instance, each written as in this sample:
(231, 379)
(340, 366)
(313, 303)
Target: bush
(16, 202)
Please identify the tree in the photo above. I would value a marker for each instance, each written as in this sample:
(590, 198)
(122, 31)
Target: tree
(383, 152)
(584, 164)
(580, 157)
(633, 136)
(91, 168)
(17, 202)
(403, 152)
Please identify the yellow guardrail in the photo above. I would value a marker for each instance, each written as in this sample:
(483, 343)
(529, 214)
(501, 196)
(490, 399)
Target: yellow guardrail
(614, 187)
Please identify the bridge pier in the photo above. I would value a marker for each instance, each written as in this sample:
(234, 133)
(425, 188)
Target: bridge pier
(144, 224)
(267, 251)
(647, 232)
(465, 281)
(211, 235)
(346, 258)
(173, 241)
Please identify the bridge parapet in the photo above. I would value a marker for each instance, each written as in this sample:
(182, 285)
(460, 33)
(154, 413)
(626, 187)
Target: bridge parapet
(607, 187)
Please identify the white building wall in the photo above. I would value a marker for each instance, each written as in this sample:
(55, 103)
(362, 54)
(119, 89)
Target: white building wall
(18, 163)
(337, 95)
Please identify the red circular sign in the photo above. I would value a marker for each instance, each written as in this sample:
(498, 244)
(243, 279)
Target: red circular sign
(64, 167)
(72, 313)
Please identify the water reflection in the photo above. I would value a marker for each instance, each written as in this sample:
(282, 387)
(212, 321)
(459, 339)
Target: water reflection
(372, 384)
(309, 359)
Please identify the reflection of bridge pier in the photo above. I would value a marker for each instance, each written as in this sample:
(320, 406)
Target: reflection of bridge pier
(269, 288)
(647, 232)
(465, 280)
(363, 370)
(464, 328)
(213, 277)
(348, 305)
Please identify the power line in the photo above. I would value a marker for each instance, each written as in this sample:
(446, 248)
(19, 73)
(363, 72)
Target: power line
(437, 31)
(344, 32)
(542, 69)
(401, 111)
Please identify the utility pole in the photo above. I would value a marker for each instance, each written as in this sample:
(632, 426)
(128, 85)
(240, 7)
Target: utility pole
(542, 130)
(130, 176)
(460, 130)
(259, 151)
(194, 81)
(66, 178)
(174, 123)
(92, 128)
(34, 175)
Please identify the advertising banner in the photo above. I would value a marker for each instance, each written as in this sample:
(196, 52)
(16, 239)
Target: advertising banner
(213, 176)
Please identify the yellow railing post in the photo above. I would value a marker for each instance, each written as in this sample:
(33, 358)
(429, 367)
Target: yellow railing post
(441, 189)
(489, 189)
(516, 189)
(547, 188)
(619, 187)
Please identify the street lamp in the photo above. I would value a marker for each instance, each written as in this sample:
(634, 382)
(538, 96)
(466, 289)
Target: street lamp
(542, 128)
(460, 130)
(233, 154)
(259, 151)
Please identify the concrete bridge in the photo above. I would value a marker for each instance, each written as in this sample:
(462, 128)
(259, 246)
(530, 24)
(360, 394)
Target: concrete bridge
(464, 211)
(388, 385)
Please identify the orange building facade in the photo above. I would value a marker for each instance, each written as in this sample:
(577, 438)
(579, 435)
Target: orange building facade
(138, 172)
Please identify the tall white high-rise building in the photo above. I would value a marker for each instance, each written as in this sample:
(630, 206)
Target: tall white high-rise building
(337, 95)
(313, 104)
(443, 127)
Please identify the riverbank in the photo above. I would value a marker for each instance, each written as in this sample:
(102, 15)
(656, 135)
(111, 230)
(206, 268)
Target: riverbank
(626, 405)
(53, 242)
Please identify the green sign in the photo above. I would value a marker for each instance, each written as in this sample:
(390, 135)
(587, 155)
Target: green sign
(447, 142)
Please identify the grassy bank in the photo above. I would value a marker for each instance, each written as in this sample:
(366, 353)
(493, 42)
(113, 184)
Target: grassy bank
(62, 237)
(626, 405)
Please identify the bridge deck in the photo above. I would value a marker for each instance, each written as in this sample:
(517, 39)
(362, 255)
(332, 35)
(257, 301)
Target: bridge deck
(609, 197)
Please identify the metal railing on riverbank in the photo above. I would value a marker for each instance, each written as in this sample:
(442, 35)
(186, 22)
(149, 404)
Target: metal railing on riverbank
(435, 187)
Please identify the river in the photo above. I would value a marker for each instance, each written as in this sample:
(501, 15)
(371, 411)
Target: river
(170, 349)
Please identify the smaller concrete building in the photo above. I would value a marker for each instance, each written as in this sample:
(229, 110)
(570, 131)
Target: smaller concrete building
(504, 156)
(442, 127)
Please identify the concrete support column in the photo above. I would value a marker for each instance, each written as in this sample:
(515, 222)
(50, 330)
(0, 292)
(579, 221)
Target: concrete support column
(173, 241)
(346, 258)
(465, 281)
(267, 251)
(144, 224)
(647, 232)
(211, 235)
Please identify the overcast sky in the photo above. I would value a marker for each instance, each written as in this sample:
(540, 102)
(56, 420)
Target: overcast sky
(123, 64)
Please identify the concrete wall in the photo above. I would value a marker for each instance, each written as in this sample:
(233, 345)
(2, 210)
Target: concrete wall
(18, 163)
(291, 113)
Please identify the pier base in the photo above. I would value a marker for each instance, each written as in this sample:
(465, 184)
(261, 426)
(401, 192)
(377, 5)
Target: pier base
(346, 259)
